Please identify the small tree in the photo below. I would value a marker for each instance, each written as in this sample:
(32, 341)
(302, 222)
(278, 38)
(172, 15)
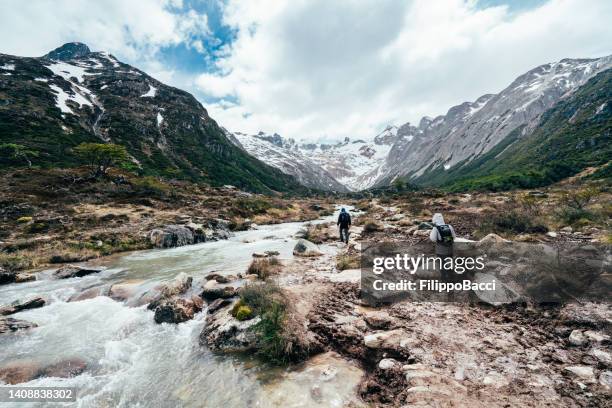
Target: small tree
(17, 152)
(101, 156)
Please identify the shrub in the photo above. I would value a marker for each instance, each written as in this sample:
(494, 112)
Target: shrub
(316, 233)
(244, 313)
(347, 262)
(264, 267)
(16, 262)
(513, 221)
(372, 226)
(101, 156)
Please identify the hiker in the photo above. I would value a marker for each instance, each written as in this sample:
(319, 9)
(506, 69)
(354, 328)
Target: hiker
(344, 221)
(443, 235)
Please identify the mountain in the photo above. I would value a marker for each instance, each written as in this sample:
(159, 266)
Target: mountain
(468, 131)
(343, 166)
(72, 95)
(284, 155)
(574, 135)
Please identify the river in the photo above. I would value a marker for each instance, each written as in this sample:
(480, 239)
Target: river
(133, 362)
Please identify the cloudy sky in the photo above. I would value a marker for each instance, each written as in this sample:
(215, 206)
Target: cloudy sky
(320, 69)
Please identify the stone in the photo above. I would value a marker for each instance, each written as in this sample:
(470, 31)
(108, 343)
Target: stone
(551, 234)
(385, 340)
(378, 320)
(425, 226)
(6, 277)
(602, 356)
(73, 271)
(9, 324)
(581, 373)
(492, 239)
(65, 369)
(576, 338)
(177, 310)
(210, 294)
(172, 236)
(567, 229)
(24, 277)
(218, 304)
(306, 248)
(224, 333)
(387, 363)
(596, 337)
(605, 379)
(19, 372)
(17, 306)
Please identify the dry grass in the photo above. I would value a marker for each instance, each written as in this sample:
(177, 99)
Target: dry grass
(264, 267)
(347, 261)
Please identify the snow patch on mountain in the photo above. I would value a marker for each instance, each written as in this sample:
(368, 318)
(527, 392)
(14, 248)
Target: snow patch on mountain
(150, 93)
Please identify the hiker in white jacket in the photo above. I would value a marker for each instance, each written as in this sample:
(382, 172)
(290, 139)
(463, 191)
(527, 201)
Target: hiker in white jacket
(443, 235)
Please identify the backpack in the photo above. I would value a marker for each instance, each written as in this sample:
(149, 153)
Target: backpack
(343, 218)
(445, 235)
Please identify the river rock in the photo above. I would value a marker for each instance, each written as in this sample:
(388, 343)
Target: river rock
(91, 293)
(502, 294)
(73, 271)
(6, 277)
(17, 306)
(65, 368)
(581, 373)
(386, 340)
(225, 333)
(605, 379)
(214, 293)
(378, 320)
(177, 310)
(24, 277)
(576, 338)
(218, 304)
(9, 324)
(171, 236)
(19, 372)
(306, 248)
(602, 356)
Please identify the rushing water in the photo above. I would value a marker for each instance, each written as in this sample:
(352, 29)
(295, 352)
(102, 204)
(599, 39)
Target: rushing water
(133, 362)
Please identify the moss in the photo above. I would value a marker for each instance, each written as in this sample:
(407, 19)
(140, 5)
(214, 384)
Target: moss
(23, 220)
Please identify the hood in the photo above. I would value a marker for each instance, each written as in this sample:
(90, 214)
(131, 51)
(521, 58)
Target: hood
(437, 219)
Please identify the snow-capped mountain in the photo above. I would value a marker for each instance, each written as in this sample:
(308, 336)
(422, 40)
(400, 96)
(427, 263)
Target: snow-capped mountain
(285, 155)
(343, 166)
(473, 128)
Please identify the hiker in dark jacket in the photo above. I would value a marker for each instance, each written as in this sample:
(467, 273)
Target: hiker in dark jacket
(443, 235)
(344, 221)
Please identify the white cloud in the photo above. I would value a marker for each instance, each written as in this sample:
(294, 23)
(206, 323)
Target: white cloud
(134, 31)
(316, 69)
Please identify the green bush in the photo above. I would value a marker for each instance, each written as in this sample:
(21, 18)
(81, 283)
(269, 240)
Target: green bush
(244, 313)
(513, 221)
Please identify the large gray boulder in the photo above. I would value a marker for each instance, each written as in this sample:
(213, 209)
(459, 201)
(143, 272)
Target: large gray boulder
(306, 248)
(73, 271)
(225, 333)
(172, 236)
(178, 310)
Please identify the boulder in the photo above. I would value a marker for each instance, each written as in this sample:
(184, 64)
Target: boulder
(225, 333)
(214, 293)
(218, 304)
(24, 277)
(73, 271)
(306, 248)
(6, 277)
(65, 368)
(492, 239)
(391, 339)
(387, 363)
(596, 337)
(425, 226)
(17, 306)
(581, 373)
(378, 320)
(502, 294)
(605, 379)
(602, 357)
(220, 278)
(9, 324)
(178, 286)
(576, 338)
(172, 236)
(177, 310)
